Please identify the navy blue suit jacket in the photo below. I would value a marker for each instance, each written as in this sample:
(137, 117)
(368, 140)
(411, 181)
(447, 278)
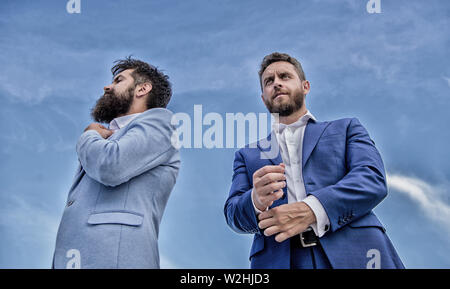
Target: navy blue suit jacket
(345, 172)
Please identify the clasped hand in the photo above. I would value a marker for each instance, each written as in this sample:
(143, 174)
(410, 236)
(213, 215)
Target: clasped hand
(103, 131)
(286, 220)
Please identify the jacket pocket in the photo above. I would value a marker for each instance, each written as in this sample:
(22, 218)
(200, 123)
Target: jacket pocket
(257, 246)
(369, 220)
(116, 217)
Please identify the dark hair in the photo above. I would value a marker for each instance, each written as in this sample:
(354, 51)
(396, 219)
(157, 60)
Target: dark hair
(143, 72)
(277, 56)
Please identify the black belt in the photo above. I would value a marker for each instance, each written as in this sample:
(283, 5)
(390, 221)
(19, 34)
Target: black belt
(306, 239)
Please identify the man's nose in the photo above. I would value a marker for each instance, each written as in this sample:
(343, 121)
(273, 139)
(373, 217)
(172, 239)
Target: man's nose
(277, 84)
(107, 88)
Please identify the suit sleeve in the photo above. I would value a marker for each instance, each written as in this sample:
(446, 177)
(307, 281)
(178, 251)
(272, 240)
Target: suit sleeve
(145, 145)
(239, 211)
(364, 185)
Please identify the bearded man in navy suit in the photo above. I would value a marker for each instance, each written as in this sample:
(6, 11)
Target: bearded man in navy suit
(307, 191)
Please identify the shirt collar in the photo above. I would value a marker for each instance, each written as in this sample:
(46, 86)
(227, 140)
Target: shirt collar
(120, 122)
(302, 121)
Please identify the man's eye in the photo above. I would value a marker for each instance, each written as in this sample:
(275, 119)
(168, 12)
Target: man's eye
(268, 81)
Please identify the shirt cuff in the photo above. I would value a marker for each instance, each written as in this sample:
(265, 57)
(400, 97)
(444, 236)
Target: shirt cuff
(322, 224)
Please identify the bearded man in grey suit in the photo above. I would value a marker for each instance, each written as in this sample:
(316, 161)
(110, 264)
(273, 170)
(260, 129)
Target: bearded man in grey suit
(126, 174)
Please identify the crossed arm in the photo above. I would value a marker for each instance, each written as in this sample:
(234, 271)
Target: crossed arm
(145, 145)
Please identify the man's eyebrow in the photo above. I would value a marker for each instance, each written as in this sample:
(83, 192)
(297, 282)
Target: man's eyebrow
(284, 72)
(270, 75)
(117, 77)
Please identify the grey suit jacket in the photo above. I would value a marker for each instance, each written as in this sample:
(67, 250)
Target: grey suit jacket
(118, 196)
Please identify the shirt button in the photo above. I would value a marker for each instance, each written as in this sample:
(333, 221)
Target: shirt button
(69, 203)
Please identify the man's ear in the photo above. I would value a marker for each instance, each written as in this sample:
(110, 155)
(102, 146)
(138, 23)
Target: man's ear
(306, 86)
(143, 89)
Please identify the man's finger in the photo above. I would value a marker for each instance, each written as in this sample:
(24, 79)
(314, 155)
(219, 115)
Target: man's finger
(272, 230)
(278, 194)
(270, 188)
(282, 237)
(291, 232)
(265, 215)
(271, 177)
(266, 223)
(105, 133)
(268, 169)
(270, 198)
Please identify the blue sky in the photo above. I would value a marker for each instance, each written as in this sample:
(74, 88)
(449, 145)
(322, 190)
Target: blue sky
(391, 70)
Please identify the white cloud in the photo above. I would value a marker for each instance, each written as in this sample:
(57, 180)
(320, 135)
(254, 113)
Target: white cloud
(382, 70)
(427, 197)
(447, 79)
(32, 226)
(165, 263)
(38, 67)
(362, 61)
(25, 218)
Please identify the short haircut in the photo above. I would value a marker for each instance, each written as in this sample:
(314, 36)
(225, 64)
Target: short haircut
(143, 72)
(276, 57)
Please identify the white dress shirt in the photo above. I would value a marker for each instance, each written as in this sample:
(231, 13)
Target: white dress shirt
(290, 140)
(120, 122)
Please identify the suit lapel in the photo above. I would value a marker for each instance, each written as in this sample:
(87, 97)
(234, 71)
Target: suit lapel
(313, 131)
(80, 173)
(269, 149)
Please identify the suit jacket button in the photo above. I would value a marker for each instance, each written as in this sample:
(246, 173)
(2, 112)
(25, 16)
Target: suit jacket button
(69, 203)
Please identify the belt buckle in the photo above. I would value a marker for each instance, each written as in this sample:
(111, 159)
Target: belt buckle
(302, 239)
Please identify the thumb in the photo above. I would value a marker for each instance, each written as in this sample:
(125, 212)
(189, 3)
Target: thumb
(107, 133)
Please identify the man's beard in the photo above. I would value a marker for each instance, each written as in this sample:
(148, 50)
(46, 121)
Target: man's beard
(111, 105)
(286, 109)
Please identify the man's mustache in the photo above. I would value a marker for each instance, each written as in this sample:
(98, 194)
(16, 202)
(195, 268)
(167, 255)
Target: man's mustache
(278, 92)
(108, 94)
